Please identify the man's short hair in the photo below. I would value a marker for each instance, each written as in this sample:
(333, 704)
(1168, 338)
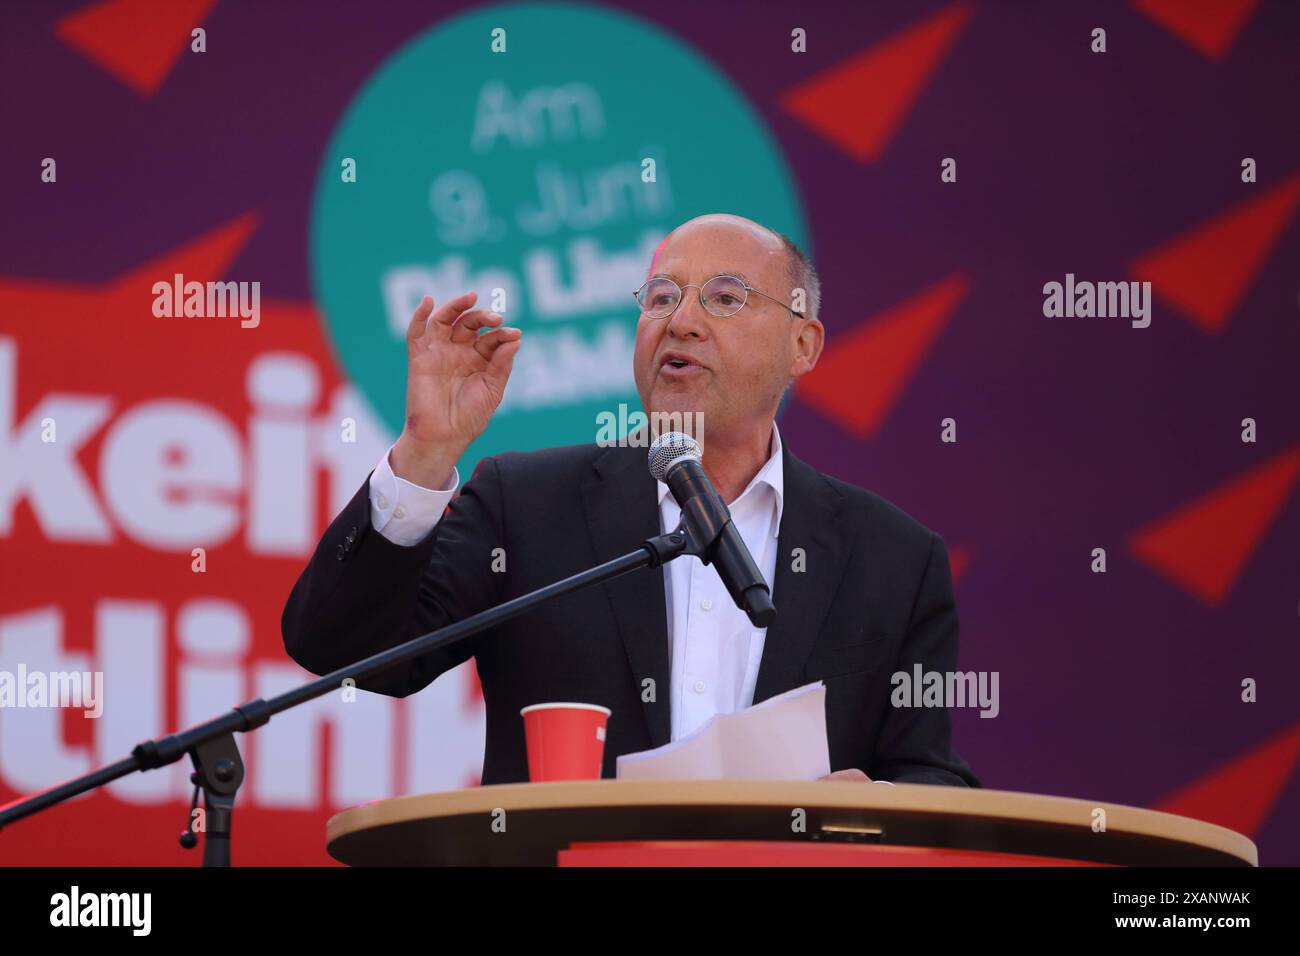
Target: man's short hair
(802, 275)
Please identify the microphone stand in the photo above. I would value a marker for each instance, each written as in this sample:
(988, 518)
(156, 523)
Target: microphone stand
(218, 768)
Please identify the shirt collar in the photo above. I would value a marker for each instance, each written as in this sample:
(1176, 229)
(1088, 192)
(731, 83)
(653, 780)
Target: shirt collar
(771, 474)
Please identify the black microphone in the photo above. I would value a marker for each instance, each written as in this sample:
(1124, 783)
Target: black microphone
(675, 460)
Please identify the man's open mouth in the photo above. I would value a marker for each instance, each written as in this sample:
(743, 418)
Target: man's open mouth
(679, 362)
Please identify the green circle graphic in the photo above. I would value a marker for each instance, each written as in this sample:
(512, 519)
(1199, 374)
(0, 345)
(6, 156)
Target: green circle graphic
(523, 173)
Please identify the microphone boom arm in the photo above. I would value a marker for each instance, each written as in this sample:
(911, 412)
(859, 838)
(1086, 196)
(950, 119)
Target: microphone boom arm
(211, 746)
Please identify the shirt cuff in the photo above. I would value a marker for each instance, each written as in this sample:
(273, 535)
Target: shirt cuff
(402, 511)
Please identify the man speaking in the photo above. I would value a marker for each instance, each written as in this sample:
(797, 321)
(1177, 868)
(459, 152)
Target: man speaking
(861, 589)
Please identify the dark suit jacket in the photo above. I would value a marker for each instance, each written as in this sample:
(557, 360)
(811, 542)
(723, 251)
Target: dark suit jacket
(875, 597)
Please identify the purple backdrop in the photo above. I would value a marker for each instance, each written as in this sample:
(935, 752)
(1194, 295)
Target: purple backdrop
(1072, 433)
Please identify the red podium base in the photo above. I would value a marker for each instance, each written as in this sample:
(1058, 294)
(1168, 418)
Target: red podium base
(781, 853)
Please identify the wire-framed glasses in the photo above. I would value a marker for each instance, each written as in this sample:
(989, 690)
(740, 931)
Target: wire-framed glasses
(721, 296)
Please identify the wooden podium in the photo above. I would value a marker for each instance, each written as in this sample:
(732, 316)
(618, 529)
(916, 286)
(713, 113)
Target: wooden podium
(768, 823)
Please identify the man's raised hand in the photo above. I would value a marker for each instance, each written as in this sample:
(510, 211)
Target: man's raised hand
(455, 378)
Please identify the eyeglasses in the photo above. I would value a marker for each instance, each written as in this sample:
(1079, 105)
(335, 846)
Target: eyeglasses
(721, 296)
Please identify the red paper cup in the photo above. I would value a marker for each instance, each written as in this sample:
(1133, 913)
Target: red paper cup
(565, 741)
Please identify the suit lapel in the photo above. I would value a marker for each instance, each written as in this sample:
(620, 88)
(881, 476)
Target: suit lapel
(622, 510)
(802, 598)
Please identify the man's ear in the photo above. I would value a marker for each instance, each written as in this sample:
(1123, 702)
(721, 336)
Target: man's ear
(808, 344)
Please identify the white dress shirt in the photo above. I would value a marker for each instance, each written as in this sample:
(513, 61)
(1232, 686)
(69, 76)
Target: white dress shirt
(714, 650)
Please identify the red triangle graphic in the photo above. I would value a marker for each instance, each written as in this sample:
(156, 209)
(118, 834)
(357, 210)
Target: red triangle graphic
(1240, 794)
(204, 258)
(857, 380)
(137, 41)
(1208, 26)
(1205, 272)
(859, 103)
(958, 561)
(1203, 547)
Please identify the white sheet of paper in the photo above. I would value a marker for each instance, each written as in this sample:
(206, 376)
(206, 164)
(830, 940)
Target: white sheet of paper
(782, 738)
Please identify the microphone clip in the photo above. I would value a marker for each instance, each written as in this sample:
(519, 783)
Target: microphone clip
(665, 547)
